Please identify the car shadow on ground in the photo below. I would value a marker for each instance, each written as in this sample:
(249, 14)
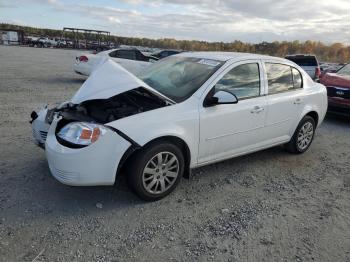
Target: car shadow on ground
(52, 193)
(68, 80)
(338, 119)
(52, 197)
(62, 195)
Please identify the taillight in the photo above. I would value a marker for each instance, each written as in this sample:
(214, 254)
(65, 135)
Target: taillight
(317, 72)
(83, 58)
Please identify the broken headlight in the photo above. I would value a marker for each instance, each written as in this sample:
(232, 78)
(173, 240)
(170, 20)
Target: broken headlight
(81, 134)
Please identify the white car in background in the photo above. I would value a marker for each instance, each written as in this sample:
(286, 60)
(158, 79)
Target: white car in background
(185, 111)
(131, 59)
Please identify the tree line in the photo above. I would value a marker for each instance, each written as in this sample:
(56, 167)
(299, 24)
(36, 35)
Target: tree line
(336, 52)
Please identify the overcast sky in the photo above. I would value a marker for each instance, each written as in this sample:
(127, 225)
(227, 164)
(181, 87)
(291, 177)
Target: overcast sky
(212, 20)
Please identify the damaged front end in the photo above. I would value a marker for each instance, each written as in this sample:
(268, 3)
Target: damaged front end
(40, 126)
(97, 111)
(103, 111)
(111, 93)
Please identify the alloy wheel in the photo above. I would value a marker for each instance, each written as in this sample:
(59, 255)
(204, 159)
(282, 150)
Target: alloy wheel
(305, 135)
(160, 173)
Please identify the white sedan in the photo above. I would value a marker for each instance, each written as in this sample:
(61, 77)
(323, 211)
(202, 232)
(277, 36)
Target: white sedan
(131, 59)
(183, 112)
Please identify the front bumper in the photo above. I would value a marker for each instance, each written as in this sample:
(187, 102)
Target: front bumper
(94, 165)
(40, 128)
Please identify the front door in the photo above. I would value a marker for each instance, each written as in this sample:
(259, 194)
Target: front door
(228, 130)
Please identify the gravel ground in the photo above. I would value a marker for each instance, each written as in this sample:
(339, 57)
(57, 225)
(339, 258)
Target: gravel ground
(267, 206)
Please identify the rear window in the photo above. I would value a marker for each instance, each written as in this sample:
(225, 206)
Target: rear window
(280, 78)
(297, 78)
(303, 60)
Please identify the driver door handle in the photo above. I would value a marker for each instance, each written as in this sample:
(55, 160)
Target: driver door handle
(298, 101)
(257, 110)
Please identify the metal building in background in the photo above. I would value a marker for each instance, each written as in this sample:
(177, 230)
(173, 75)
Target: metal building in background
(11, 36)
(87, 38)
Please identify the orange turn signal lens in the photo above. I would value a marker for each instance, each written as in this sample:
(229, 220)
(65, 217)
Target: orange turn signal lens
(81, 133)
(95, 134)
(85, 134)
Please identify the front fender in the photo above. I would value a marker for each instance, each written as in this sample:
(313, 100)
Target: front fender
(170, 121)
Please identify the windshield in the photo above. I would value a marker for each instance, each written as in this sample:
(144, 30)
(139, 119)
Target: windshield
(179, 77)
(344, 70)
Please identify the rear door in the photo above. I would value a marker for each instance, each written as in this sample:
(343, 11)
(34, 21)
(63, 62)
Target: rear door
(285, 99)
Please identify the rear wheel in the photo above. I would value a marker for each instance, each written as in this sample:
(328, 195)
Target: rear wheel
(303, 136)
(155, 170)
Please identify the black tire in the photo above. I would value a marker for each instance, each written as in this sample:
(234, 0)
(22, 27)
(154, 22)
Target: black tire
(293, 146)
(136, 165)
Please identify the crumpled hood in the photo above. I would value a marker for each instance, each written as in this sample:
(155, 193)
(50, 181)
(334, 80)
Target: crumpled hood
(107, 80)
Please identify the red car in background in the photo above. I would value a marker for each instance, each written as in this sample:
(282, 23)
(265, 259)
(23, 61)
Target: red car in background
(338, 90)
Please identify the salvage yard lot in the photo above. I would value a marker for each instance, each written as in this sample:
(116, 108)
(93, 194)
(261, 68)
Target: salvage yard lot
(267, 206)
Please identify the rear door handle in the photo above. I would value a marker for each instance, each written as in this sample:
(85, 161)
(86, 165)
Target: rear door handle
(298, 101)
(257, 110)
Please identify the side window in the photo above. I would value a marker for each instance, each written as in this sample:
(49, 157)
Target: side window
(243, 81)
(164, 54)
(126, 54)
(297, 79)
(113, 54)
(141, 57)
(280, 78)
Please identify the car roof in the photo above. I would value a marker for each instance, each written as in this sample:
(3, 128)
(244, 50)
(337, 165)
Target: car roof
(225, 56)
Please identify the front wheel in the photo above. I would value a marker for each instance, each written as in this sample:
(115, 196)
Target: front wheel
(155, 170)
(303, 136)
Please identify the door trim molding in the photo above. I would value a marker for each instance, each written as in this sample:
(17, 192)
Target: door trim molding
(279, 122)
(235, 133)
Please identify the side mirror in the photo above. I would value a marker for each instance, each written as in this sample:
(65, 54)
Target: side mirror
(221, 98)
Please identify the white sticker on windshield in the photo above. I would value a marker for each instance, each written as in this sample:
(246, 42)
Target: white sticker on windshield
(208, 62)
